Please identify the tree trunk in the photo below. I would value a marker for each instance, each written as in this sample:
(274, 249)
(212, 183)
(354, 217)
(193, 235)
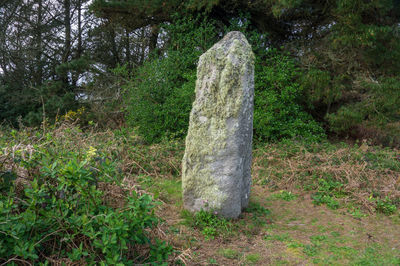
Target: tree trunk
(39, 49)
(155, 29)
(128, 50)
(67, 41)
(79, 50)
(114, 48)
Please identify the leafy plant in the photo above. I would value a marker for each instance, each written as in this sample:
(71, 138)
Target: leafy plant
(71, 205)
(385, 206)
(327, 191)
(285, 195)
(210, 224)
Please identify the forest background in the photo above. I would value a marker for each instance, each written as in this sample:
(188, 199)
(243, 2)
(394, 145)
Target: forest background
(322, 67)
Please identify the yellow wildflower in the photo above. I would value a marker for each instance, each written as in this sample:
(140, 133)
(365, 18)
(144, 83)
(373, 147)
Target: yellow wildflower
(91, 152)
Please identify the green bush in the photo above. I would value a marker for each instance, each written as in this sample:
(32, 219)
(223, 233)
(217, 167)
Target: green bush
(278, 112)
(62, 209)
(162, 91)
(375, 117)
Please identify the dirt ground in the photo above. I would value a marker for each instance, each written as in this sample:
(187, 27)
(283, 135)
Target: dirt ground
(295, 232)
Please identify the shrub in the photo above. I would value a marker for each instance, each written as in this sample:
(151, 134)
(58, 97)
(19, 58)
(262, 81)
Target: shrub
(278, 113)
(162, 92)
(375, 117)
(70, 205)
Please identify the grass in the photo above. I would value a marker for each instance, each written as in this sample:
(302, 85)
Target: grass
(311, 203)
(229, 253)
(252, 259)
(280, 237)
(285, 195)
(210, 224)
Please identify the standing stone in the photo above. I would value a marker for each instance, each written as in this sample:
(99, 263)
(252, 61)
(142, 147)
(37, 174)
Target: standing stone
(217, 160)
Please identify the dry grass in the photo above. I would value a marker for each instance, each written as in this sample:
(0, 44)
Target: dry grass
(363, 170)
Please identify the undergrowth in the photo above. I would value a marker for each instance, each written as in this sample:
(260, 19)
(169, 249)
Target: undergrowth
(64, 199)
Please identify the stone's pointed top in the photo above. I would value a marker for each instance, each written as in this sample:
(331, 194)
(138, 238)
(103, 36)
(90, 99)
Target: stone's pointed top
(234, 35)
(233, 43)
(230, 37)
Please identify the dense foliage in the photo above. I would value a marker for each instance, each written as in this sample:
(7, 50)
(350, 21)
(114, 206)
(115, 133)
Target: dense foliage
(278, 110)
(162, 91)
(63, 201)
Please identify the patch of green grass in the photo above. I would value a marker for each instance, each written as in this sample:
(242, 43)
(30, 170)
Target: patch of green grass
(257, 208)
(318, 239)
(168, 190)
(259, 214)
(252, 259)
(229, 253)
(396, 219)
(145, 181)
(335, 234)
(285, 195)
(281, 262)
(209, 223)
(357, 213)
(295, 244)
(212, 261)
(322, 228)
(374, 255)
(311, 250)
(341, 252)
(280, 237)
(334, 249)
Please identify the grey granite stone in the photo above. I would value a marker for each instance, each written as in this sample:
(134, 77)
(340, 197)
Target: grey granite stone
(216, 165)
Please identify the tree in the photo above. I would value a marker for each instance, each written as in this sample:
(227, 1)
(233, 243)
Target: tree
(347, 49)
